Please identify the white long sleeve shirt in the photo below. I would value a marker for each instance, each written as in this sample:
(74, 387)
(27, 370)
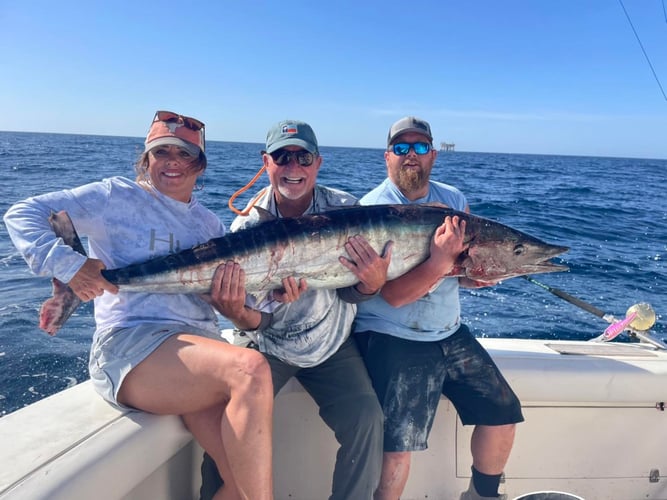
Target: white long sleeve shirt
(124, 224)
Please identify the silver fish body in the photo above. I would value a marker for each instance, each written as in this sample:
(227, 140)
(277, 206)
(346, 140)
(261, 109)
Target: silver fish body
(309, 247)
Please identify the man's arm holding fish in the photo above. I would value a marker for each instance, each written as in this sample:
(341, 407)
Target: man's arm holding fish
(446, 245)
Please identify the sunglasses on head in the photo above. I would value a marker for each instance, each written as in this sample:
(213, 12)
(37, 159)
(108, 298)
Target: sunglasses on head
(403, 148)
(282, 157)
(170, 117)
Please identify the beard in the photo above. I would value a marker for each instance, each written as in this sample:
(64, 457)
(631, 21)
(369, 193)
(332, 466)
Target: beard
(410, 180)
(293, 193)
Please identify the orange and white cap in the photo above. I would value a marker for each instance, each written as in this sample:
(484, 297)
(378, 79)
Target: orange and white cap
(170, 128)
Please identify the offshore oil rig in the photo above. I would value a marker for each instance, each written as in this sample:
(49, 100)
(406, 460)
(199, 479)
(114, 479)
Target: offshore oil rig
(447, 146)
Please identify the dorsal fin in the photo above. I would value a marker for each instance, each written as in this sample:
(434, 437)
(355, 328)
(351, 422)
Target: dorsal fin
(263, 214)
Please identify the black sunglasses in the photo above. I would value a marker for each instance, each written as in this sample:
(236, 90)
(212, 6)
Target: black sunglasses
(171, 117)
(282, 157)
(403, 148)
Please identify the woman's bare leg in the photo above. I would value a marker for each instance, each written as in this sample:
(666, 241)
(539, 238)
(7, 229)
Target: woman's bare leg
(187, 375)
(205, 426)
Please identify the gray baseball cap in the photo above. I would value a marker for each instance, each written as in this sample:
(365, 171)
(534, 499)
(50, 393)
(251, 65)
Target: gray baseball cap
(291, 133)
(409, 124)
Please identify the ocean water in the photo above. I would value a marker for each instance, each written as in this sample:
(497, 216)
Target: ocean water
(611, 212)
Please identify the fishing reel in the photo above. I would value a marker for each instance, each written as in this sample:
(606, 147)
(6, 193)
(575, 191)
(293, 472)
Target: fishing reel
(644, 316)
(639, 319)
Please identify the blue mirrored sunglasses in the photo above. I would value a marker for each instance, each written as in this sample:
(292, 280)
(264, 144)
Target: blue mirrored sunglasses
(403, 148)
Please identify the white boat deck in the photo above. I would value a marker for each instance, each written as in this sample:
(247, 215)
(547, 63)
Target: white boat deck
(595, 427)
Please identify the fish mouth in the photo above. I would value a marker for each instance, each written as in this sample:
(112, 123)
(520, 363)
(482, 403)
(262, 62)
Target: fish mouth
(545, 265)
(555, 250)
(542, 267)
(535, 268)
(497, 271)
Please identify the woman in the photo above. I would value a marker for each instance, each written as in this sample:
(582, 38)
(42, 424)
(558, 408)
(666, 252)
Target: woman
(160, 353)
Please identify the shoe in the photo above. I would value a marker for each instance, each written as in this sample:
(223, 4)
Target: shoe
(471, 494)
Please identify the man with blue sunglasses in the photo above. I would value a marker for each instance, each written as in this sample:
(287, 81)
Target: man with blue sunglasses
(414, 343)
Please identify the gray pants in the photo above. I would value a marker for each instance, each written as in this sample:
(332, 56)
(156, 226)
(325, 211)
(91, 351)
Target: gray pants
(345, 396)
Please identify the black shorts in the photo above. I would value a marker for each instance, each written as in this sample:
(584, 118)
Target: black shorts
(409, 377)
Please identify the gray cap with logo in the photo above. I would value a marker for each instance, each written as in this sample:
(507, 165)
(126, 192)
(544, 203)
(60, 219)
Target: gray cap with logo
(291, 133)
(409, 124)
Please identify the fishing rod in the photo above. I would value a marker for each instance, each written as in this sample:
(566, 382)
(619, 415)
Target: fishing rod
(639, 317)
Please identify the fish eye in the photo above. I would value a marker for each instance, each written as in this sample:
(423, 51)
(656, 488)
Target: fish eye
(518, 249)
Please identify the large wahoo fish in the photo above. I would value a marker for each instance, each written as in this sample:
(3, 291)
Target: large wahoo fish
(309, 247)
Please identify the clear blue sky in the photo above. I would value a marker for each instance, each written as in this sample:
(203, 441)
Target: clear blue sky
(530, 76)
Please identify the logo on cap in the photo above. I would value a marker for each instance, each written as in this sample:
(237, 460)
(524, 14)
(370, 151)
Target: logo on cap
(172, 126)
(290, 129)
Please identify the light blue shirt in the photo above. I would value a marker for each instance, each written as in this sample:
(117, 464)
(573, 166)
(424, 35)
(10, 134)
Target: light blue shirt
(432, 317)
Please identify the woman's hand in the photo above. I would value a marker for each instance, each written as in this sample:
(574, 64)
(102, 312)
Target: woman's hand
(88, 281)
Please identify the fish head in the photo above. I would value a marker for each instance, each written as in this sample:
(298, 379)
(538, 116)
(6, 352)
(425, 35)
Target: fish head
(500, 252)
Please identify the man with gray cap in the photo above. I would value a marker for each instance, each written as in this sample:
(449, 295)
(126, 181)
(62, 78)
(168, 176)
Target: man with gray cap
(306, 333)
(414, 343)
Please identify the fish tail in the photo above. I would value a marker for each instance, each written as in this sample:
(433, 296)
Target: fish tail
(55, 311)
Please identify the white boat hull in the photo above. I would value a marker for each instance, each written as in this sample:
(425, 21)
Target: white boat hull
(594, 427)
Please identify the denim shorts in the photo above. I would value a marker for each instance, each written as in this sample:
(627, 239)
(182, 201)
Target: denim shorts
(410, 376)
(116, 351)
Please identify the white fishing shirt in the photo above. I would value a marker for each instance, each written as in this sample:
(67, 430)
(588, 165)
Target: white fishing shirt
(124, 224)
(308, 331)
(436, 315)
